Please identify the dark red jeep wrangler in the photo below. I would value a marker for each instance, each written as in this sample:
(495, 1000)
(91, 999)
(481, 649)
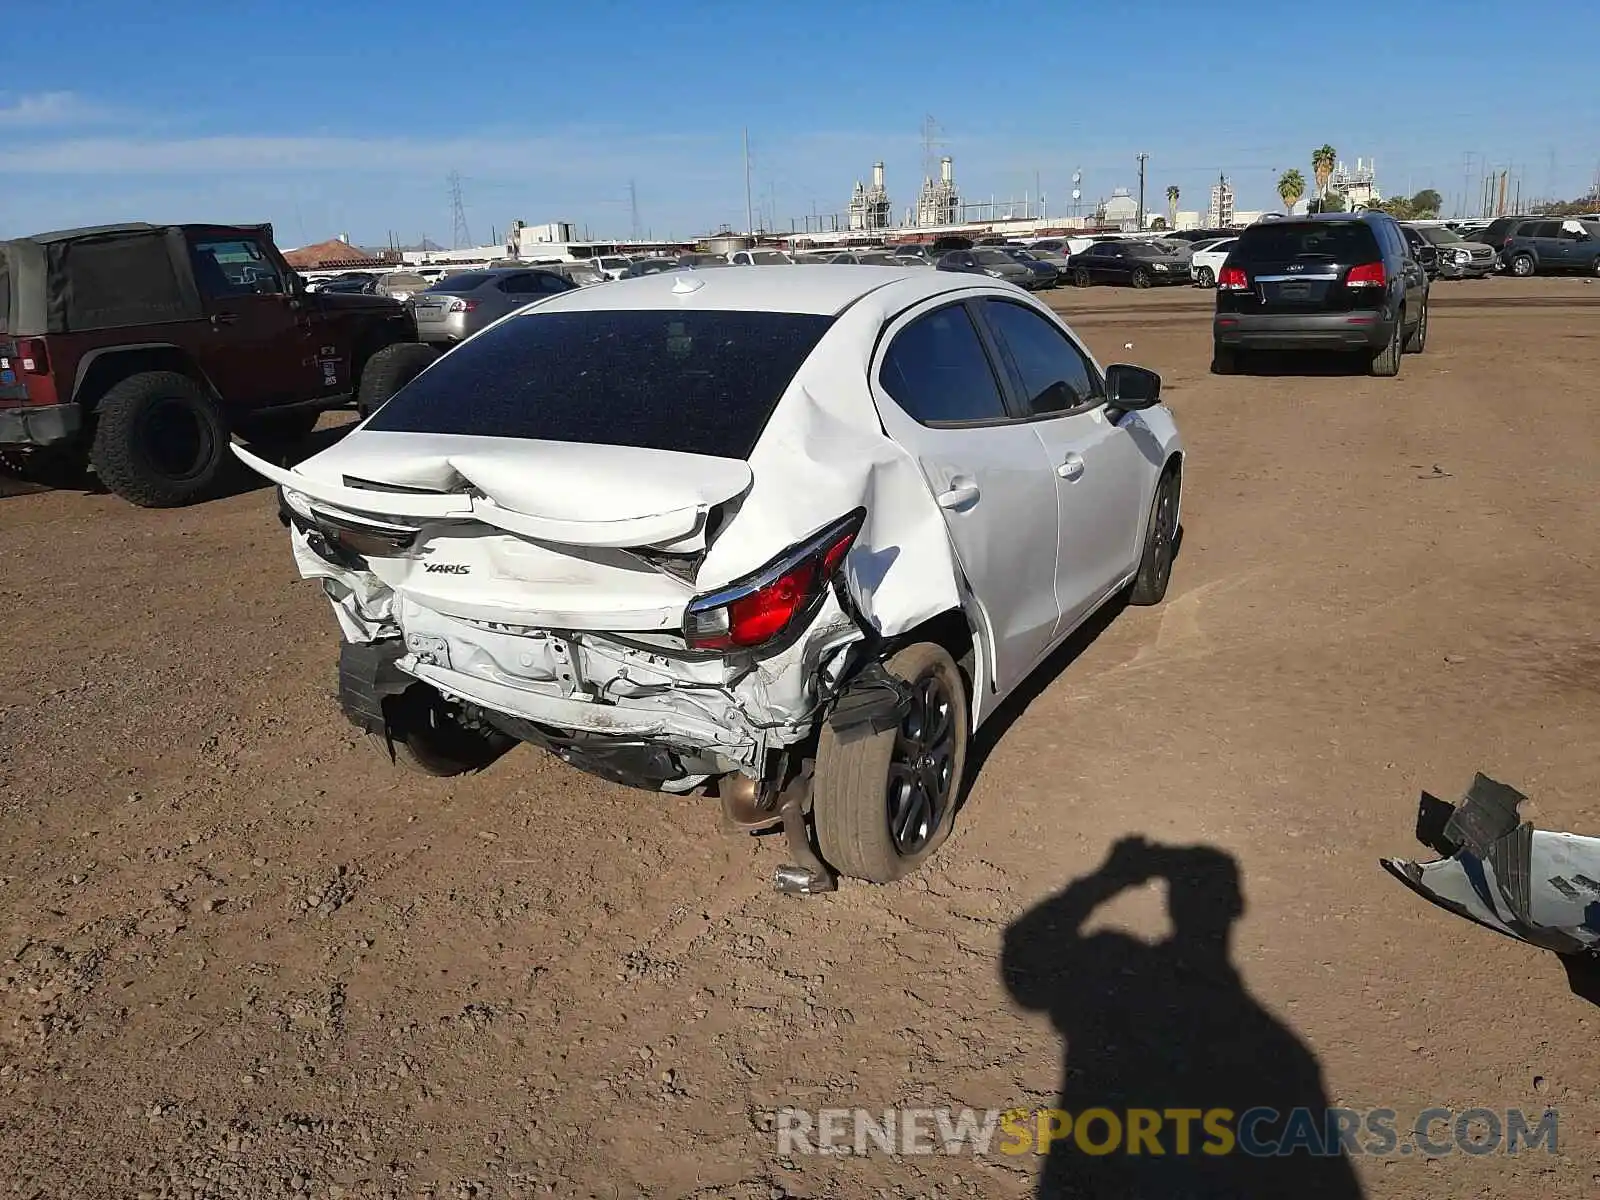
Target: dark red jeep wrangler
(137, 349)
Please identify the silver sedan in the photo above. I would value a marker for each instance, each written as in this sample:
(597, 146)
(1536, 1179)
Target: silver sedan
(458, 306)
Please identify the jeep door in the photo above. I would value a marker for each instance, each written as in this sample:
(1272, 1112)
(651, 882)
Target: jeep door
(257, 350)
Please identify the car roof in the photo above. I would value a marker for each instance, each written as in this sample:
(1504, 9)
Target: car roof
(825, 290)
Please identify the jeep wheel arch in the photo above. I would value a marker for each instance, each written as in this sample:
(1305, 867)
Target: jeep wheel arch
(101, 370)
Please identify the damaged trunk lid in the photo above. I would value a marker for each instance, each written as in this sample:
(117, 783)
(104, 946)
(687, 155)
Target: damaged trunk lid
(517, 532)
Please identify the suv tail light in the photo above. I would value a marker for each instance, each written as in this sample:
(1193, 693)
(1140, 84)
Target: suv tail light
(768, 602)
(33, 356)
(1232, 279)
(462, 306)
(1366, 275)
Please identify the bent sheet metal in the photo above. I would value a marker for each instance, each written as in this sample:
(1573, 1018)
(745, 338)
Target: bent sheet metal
(1536, 885)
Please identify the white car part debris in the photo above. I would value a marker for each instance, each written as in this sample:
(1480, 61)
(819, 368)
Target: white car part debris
(1535, 885)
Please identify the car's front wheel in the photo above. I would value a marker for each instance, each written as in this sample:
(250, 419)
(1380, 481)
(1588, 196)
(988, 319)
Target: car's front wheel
(1417, 339)
(1142, 278)
(884, 802)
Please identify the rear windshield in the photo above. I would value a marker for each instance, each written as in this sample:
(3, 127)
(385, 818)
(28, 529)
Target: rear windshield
(465, 281)
(1281, 241)
(694, 382)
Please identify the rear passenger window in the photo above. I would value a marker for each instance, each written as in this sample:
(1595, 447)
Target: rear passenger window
(1055, 375)
(938, 372)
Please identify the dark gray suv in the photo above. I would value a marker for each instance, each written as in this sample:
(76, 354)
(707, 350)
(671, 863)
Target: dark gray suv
(1333, 281)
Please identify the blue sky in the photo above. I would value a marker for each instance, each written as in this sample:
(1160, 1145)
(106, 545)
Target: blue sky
(347, 115)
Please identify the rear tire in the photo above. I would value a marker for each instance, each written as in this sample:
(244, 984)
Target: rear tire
(389, 370)
(1081, 278)
(884, 803)
(159, 440)
(1386, 362)
(1206, 277)
(1160, 543)
(1225, 360)
(1522, 266)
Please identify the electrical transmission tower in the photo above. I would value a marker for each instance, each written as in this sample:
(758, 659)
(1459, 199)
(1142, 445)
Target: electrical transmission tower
(459, 237)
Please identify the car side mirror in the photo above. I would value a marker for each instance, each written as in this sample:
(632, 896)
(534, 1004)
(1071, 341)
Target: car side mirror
(1129, 387)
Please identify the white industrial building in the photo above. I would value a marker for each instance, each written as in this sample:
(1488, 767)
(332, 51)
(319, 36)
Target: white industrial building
(938, 203)
(1221, 215)
(1358, 185)
(869, 206)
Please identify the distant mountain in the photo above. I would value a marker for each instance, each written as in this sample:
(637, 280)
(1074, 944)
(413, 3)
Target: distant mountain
(426, 245)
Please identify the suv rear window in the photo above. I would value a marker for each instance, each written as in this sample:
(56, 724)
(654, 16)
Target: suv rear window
(692, 382)
(1283, 241)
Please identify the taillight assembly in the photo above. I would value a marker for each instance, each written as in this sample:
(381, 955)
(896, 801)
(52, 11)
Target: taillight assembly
(1232, 279)
(1366, 275)
(363, 539)
(33, 356)
(767, 603)
(462, 306)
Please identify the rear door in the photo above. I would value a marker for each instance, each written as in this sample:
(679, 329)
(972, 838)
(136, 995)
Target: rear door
(1101, 479)
(937, 387)
(258, 349)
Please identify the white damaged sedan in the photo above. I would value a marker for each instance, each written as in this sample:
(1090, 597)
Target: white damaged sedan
(786, 537)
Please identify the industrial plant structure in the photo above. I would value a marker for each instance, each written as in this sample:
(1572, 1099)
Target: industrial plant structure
(938, 203)
(1221, 215)
(869, 206)
(1358, 186)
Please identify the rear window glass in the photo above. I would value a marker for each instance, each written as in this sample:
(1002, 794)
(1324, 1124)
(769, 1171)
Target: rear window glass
(466, 281)
(1337, 241)
(694, 382)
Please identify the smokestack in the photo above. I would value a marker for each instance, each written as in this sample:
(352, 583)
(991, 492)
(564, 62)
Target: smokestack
(946, 175)
(877, 175)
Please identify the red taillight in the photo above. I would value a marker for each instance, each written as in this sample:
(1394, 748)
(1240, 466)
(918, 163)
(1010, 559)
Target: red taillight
(33, 356)
(462, 306)
(761, 607)
(1366, 275)
(1233, 279)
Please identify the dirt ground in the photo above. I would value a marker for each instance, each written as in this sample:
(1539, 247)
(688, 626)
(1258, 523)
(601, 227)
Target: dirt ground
(244, 956)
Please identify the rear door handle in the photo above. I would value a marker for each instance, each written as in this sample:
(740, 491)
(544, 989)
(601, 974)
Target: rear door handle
(959, 495)
(223, 319)
(1071, 467)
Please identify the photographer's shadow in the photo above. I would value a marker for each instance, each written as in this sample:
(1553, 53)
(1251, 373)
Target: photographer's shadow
(1165, 1026)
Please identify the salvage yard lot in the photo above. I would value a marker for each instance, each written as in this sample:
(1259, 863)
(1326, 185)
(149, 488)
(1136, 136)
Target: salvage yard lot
(243, 956)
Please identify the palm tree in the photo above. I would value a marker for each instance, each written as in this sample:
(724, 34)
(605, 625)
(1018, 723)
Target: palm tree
(1291, 186)
(1322, 162)
(1172, 207)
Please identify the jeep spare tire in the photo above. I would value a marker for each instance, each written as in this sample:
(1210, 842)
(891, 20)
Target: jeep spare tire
(159, 440)
(389, 370)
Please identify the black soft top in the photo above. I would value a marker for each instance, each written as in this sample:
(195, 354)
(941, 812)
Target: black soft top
(102, 277)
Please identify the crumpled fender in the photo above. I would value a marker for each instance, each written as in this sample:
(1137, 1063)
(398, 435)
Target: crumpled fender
(816, 462)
